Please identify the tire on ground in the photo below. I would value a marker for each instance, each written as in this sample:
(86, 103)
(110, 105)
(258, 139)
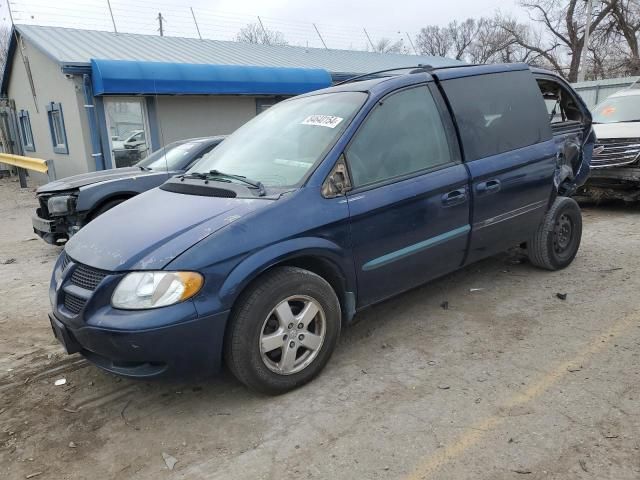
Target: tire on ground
(242, 340)
(544, 249)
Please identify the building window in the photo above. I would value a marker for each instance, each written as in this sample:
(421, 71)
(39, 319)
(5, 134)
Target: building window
(56, 125)
(25, 128)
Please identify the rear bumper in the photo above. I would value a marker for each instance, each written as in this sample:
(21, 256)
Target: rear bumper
(185, 349)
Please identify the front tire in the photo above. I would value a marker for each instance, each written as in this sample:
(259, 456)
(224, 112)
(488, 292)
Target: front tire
(283, 331)
(557, 239)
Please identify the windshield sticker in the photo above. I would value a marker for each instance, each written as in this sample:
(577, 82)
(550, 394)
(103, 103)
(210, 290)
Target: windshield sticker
(292, 163)
(608, 111)
(322, 121)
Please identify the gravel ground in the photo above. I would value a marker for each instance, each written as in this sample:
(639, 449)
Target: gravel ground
(509, 382)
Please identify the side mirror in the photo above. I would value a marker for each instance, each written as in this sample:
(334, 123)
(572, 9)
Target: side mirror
(338, 182)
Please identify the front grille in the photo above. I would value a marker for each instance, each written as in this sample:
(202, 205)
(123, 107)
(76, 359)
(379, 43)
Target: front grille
(616, 152)
(72, 303)
(87, 277)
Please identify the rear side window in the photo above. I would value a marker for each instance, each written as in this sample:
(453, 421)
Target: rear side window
(402, 135)
(498, 112)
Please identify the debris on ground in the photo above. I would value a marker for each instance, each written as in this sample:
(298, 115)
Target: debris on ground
(476, 289)
(523, 471)
(574, 369)
(561, 296)
(35, 474)
(60, 381)
(445, 305)
(9, 261)
(73, 445)
(583, 465)
(169, 460)
(444, 387)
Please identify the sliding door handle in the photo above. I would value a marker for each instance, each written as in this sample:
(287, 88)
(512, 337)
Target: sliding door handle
(490, 186)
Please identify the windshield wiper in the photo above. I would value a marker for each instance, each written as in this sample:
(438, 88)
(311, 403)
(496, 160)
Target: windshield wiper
(144, 169)
(218, 176)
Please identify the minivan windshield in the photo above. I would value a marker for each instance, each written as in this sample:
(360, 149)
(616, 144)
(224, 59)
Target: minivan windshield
(279, 146)
(618, 109)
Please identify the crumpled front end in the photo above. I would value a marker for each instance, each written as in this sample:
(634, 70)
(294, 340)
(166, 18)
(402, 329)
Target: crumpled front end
(56, 219)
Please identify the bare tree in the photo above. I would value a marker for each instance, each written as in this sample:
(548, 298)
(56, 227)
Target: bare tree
(625, 15)
(476, 41)
(256, 33)
(563, 23)
(386, 45)
(434, 40)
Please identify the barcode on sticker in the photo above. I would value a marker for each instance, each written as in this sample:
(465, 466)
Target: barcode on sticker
(322, 121)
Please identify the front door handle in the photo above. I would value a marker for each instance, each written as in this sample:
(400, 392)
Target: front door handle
(455, 197)
(488, 187)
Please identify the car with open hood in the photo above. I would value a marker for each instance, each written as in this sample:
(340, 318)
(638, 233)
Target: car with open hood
(66, 205)
(615, 168)
(317, 208)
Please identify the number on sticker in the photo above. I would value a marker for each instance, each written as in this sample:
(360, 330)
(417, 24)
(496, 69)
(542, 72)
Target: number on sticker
(322, 121)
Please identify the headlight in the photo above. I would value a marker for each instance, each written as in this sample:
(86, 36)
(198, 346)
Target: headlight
(61, 204)
(142, 290)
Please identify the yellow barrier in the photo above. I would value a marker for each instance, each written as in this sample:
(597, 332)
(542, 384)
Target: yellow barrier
(30, 163)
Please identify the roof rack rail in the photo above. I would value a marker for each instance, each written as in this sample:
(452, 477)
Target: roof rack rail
(420, 68)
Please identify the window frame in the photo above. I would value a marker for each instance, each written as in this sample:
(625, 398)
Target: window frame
(24, 119)
(52, 108)
(565, 126)
(447, 124)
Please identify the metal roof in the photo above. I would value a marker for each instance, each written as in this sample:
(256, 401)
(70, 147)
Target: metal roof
(69, 46)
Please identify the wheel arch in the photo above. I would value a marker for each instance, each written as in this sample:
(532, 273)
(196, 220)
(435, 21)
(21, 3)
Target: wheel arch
(122, 196)
(320, 256)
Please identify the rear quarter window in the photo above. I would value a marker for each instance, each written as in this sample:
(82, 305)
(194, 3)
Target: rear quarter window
(498, 112)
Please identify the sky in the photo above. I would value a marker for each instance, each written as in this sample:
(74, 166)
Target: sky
(340, 22)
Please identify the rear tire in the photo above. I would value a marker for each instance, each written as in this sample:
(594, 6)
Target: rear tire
(283, 330)
(557, 240)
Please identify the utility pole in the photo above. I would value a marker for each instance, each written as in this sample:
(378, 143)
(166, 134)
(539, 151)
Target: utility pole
(113, 20)
(321, 39)
(411, 42)
(264, 32)
(196, 22)
(369, 38)
(585, 45)
(160, 20)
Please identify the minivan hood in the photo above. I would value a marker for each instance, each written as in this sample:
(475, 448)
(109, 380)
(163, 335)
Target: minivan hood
(84, 179)
(617, 130)
(150, 230)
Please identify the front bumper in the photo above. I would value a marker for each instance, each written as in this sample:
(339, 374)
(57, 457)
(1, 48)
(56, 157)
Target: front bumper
(51, 231)
(173, 341)
(186, 349)
(621, 183)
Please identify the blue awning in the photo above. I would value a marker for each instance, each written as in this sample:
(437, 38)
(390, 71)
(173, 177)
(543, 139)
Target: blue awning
(147, 78)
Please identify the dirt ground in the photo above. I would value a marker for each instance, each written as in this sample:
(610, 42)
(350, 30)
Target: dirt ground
(509, 382)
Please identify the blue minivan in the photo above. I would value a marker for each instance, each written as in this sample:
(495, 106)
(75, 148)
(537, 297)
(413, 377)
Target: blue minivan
(325, 204)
